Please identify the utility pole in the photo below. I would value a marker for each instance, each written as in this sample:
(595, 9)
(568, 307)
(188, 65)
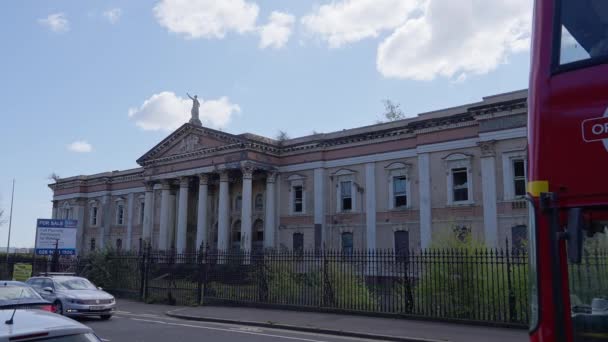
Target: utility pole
(10, 222)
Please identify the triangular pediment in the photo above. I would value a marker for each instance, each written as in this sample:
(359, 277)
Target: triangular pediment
(186, 139)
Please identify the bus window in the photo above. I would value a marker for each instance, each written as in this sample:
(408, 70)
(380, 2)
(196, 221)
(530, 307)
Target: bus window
(588, 282)
(583, 32)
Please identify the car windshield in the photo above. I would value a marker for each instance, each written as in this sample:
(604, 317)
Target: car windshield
(75, 284)
(17, 292)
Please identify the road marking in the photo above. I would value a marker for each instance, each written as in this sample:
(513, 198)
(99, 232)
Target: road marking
(227, 330)
(105, 339)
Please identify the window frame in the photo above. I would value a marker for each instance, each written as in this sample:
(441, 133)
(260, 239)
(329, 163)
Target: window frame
(92, 244)
(119, 212)
(93, 213)
(297, 181)
(453, 162)
(556, 67)
(396, 170)
(296, 201)
(508, 172)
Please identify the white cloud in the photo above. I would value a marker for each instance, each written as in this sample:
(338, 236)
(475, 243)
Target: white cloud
(206, 18)
(80, 146)
(349, 21)
(113, 15)
(167, 111)
(276, 33)
(454, 38)
(56, 22)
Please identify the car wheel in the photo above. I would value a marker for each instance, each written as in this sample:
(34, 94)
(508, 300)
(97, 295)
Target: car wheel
(106, 317)
(58, 307)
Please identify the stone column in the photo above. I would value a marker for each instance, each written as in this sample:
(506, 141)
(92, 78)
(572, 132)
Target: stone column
(424, 187)
(182, 216)
(488, 185)
(81, 206)
(130, 217)
(106, 220)
(319, 204)
(246, 237)
(223, 213)
(370, 205)
(201, 223)
(165, 216)
(55, 210)
(269, 225)
(148, 214)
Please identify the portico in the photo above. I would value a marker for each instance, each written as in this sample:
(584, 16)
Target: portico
(215, 209)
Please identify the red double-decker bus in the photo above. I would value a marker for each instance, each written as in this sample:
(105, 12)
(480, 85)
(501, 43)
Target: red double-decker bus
(568, 171)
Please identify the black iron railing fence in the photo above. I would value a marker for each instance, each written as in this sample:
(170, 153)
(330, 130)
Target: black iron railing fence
(473, 285)
(488, 285)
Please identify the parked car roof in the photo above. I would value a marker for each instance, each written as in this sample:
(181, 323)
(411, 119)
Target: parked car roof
(38, 325)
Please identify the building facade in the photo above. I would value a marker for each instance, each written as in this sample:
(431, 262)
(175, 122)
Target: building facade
(400, 184)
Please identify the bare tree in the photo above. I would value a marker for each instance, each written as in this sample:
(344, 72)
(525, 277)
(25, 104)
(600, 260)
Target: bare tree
(282, 136)
(392, 111)
(2, 219)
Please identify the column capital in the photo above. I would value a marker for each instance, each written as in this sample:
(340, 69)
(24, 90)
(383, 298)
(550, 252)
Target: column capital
(165, 184)
(204, 178)
(271, 177)
(184, 182)
(149, 185)
(247, 172)
(224, 176)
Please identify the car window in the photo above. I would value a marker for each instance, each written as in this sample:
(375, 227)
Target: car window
(35, 282)
(73, 338)
(75, 284)
(17, 292)
(47, 283)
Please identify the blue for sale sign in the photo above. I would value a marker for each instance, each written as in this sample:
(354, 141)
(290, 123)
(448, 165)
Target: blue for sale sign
(60, 234)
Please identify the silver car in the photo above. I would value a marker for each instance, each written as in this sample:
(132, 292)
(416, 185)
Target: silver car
(74, 296)
(38, 325)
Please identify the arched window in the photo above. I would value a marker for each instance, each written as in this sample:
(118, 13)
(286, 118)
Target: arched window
(119, 244)
(259, 202)
(92, 246)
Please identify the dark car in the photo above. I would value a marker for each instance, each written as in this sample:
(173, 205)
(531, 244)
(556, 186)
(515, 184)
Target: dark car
(14, 294)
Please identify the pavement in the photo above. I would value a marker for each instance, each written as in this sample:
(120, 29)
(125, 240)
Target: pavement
(383, 329)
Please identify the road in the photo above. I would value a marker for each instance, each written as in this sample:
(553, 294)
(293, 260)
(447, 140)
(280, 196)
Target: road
(151, 327)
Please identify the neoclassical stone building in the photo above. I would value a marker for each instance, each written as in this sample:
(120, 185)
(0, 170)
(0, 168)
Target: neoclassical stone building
(395, 185)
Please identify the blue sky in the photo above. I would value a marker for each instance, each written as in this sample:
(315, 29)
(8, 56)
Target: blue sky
(89, 86)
